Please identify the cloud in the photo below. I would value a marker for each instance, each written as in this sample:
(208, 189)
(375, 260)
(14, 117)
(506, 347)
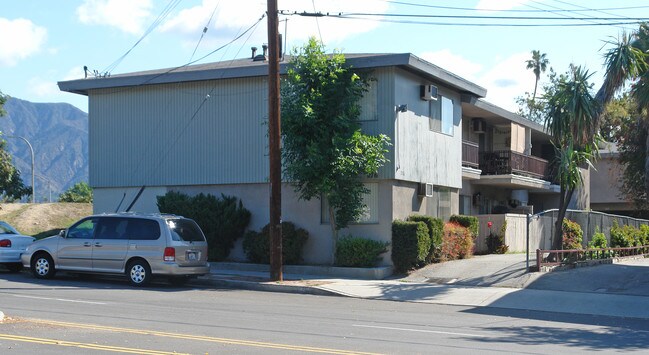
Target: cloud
(43, 88)
(229, 20)
(126, 15)
(505, 78)
(20, 39)
(454, 63)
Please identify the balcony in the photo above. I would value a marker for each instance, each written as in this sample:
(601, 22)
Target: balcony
(505, 162)
(470, 154)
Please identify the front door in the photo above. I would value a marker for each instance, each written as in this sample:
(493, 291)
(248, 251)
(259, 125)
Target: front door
(75, 250)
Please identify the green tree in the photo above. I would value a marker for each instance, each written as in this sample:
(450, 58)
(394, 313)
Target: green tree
(11, 184)
(324, 152)
(80, 192)
(571, 116)
(538, 64)
(628, 61)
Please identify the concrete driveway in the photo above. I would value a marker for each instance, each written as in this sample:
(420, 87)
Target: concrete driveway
(628, 277)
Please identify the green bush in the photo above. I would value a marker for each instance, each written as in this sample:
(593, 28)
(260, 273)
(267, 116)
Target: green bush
(598, 241)
(256, 245)
(410, 244)
(572, 235)
(624, 236)
(644, 235)
(470, 222)
(80, 192)
(496, 242)
(435, 231)
(457, 242)
(359, 252)
(223, 220)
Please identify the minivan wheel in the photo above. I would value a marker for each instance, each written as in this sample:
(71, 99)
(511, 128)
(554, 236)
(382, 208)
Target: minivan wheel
(138, 273)
(43, 266)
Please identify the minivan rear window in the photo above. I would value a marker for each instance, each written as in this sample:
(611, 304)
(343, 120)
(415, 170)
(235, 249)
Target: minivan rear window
(185, 230)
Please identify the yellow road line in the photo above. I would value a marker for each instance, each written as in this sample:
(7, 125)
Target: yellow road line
(116, 349)
(201, 338)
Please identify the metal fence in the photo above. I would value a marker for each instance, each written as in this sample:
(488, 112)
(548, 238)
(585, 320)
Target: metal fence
(541, 226)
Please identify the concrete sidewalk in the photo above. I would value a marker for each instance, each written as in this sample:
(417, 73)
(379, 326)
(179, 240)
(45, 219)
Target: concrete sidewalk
(550, 292)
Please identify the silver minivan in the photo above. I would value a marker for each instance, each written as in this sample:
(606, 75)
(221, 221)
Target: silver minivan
(136, 245)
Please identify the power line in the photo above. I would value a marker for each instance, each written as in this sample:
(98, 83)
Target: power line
(205, 30)
(165, 12)
(510, 10)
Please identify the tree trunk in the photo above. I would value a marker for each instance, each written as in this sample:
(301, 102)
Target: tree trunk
(557, 240)
(536, 83)
(334, 234)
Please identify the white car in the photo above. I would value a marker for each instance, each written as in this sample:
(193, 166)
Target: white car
(12, 245)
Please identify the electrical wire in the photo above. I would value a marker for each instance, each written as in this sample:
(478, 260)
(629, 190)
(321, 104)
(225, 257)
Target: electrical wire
(510, 10)
(205, 30)
(165, 12)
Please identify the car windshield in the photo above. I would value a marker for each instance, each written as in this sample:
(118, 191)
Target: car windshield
(186, 230)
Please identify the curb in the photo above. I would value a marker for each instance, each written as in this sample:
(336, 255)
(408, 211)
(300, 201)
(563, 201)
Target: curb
(267, 287)
(2, 317)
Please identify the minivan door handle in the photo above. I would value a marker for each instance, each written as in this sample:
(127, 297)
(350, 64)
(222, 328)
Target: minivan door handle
(86, 244)
(98, 244)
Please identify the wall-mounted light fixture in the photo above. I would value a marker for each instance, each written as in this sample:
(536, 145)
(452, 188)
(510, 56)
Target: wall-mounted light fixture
(402, 108)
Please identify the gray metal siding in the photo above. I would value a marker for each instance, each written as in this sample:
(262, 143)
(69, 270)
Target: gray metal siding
(179, 134)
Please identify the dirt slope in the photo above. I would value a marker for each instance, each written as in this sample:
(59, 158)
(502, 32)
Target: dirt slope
(35, 219)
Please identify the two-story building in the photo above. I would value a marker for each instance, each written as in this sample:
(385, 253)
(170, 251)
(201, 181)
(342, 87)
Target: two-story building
(202, 129)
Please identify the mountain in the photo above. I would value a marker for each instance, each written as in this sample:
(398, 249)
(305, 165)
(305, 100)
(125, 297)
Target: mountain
(58, 133)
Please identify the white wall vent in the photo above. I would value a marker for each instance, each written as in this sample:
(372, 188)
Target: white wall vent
(428, 92)
(425, 189)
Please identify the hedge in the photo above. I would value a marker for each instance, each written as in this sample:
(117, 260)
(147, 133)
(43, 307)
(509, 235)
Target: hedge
(359, 252)
(435, 231)
(410, 244)
(256, 245)
(457, 242)
(223, 220)
(470, 222)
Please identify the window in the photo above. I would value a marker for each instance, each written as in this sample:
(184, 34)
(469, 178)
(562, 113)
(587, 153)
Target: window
(111, 228)
(370, 213)
(441, 115)
(465, 205)
(185, 230)
(83, 229)
(142, 229)
(368, 104)
(442, 200)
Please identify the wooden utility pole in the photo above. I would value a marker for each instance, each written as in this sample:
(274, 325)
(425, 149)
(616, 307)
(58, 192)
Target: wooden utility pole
(274, 139)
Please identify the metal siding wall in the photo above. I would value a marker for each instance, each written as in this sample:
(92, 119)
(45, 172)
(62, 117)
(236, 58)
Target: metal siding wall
(386, 116)
(423, 155)
(170, 135)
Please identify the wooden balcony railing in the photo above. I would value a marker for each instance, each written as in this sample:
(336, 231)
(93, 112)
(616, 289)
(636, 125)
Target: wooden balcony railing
(502, 162)
(470, 155)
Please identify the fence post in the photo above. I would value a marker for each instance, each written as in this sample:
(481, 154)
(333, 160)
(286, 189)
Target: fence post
(538, 259)
(528, 217)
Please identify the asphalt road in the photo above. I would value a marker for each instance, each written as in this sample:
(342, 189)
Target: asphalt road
(69, 315)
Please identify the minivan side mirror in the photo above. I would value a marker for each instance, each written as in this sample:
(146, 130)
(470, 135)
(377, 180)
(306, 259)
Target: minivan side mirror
(62, 233)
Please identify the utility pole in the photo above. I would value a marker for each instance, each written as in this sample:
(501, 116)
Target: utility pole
(274, 138)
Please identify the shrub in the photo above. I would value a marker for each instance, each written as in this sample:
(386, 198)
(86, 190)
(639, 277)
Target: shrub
(644, 234)
(572, 235)
(256, 245)
(470, 222)
(598, 242)
(410, 244)
(359, 252)
(80, 192)
(457, 242)
(622, 237)
(223, 220)
(435, 231)
(496, 242)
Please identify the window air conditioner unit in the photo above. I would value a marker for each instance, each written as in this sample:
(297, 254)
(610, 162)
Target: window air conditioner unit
(428, 92)
(425, 189)
(479, 125)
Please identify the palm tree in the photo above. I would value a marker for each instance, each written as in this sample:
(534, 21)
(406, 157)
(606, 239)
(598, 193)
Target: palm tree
(571, 122)
(627, 60)
(538, 64)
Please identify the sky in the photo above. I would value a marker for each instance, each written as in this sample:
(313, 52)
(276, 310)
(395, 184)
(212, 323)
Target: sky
(44, 42)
